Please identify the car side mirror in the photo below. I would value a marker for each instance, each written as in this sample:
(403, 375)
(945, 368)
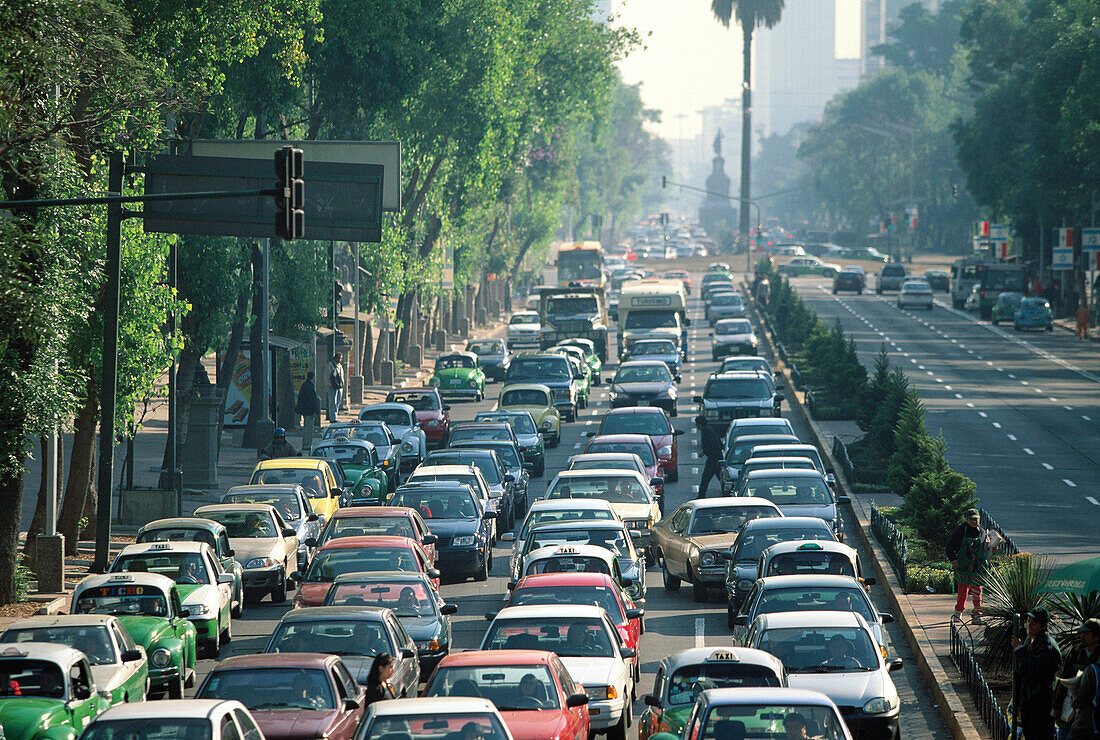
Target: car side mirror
(185, 613)
(844, 499)
(311, 542)
(678, 432)
(576, 700)
(578, 376)
(490, 616)
(869, 581)
(635, 613)
(429, 539)
(335, 492)
(656, 481)
(830, 478)
(651, 701)
(628, 652)
(433, 572)
(507, 537)
(231, 552)
(696, 399)
(350, 705)
(225, 578)
(886, 617)
(677, 377)
(407, 653)
(128, 656)
(741, 620)
(448, 609)
(528, 465)
(626, 582)
(895, 664)
(489, 515)
(590, 434)
(780, 396)
(635, 534)
(446, 407)
(687, 321)
(311, 517)
(287, 532)
(725, 555)
(509, 478)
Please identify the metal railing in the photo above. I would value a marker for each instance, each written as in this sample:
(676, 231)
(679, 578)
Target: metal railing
(962, 655)
(892, 541)
(1006, 546)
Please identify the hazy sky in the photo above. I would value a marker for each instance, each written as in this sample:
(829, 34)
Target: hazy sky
(689, 60)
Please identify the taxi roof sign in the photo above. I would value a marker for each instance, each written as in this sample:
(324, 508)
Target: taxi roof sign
(566, 550)
(725, 655)
(810, 546)
(121, 577)
(14, 652)
(161, 546)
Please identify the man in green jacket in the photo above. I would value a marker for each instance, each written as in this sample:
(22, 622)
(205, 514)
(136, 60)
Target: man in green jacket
(966, 549)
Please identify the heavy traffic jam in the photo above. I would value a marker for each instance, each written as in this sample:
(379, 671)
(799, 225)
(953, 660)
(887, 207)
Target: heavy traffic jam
(535, 470)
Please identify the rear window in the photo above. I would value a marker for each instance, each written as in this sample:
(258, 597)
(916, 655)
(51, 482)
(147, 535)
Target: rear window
(893, 271)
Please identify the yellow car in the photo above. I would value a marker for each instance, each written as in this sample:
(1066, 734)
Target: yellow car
(315, 476)
(537, 400)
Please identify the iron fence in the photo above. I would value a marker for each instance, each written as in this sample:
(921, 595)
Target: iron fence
(1006, 546)
(994, 716)
(892, 541)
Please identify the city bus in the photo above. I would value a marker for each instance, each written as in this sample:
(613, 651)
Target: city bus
(964, 276)
(580, 264)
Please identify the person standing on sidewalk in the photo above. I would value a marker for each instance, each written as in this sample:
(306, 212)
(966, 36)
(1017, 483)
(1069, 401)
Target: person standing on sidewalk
(1086, 703)
(308, 407)
(1082, 316)
(966, 549)
(712, 450)
(1076, 661)
(334, 371)
(1035, 663)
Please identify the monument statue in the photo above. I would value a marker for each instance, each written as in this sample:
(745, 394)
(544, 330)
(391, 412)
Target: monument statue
(717, 214)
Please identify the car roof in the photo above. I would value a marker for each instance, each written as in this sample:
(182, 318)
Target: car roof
(583, 456)
(591, 551)
(424, 470)
(432, 705)
(550, 580)
(62, 620)
(274, 660)
(370, 540)
(780, 548)
(294, 463)
(388, 405)
(788, 522)
(579, 523)
(61, 654)
(459, 353)
(767, 695)
(821, 580)
(381, 575)
(323, 613)
(261, 488)
(747, 501)
(342, 440)
(550, 610)
(553, 504)
(498, 657)
(756, 475)
(182, 522)
(267, 508)
(736, 374)
(378, 511)
(599, 473)
(722, 654)
(173, 546)
(167, 708)
(148, 579)
(756, 437)
(525, 387)
(642, 363)
(779, 620)
(776, 460)
(634, 410)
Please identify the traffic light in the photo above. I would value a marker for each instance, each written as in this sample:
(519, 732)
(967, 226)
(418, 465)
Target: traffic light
(664, 181)
(290, 197)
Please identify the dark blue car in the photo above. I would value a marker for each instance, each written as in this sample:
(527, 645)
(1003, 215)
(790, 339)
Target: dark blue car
(455, 515)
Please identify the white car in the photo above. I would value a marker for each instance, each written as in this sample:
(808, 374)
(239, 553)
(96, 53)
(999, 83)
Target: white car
(212, 719)
(433, 718)
(915, 293)
(589, 646)
(206, 589)
(556, 511)
(264, 545)
(763, 713)
(401, 419)
(629, 492)
(524, 328)
(118, 664)
(733, 337)
(835, 653)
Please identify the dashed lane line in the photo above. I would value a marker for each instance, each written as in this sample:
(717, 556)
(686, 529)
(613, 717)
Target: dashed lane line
(1069, 483)
(1048, 466)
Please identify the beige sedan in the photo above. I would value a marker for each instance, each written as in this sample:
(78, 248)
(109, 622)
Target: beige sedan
(264, 545)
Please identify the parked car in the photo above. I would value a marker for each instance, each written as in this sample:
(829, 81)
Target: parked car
(492, 355)
(915, 292)
(1033, 313)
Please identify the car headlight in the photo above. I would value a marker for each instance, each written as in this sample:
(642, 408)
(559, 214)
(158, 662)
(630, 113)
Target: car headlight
(707, 558)
(407, 446)
(432, 644)
(161, 658)
(601, 692)
(473, 382)
(259, 563)
(664, 451)
(744, 584)
(433, 423)
(200, 610)
(547, 424)
(670, 391)
(434, 382)
(465, 540)
(878, 705)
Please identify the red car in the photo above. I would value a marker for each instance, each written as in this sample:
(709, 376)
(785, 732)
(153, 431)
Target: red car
(640, 444)
(292, 696)
(584, 588)
(682, 276)
(531, 689)
(430, 410)
(361, 521)
(360, 555)
(651, 422)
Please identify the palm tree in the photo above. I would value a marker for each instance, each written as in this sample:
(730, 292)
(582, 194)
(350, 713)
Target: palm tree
(750, 15)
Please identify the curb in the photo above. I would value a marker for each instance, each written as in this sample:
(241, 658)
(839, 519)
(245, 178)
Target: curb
(53, 606)
(951, 707)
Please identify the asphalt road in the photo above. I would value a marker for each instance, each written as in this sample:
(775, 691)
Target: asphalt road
(673, 621)
(1020, 411)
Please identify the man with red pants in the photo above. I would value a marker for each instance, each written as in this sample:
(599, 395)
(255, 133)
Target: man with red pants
(968, 552)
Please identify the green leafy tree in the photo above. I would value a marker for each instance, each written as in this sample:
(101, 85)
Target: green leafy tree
(913, 447)
(938, 497)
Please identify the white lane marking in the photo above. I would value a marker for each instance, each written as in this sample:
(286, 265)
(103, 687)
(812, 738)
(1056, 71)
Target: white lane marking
(996, 425)
(929, 372)
(920, 367)
(1068, 408)
(700, 629)
(1085, 417)
(1012, 376)
(983, 414)
(990, 364)
(1092, 501)
(590, 421)
(1069, 483)
(969, 404)
(577, 446)
(1028, 451)
(1011, 436)
(695, 488)
(695, 471)
(1048, 466)
(1053, 399)
(958, 395)
(1000, 369)
(913, 360)
(947, 387)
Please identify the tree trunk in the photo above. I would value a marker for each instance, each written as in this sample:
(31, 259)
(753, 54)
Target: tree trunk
(82, 463)
(11, 503)
(185, 383)
(379, 354)
(236, 335)
(519, 258)
(255, 345)
(284, 409)
(404, 338)
(366, 362)
(746, 135)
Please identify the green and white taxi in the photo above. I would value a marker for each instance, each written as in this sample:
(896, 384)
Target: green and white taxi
(150, 609)
(47, 692)
(591, 358)
(198, 529)
(119, 666)
(204, 585)
(458, 375)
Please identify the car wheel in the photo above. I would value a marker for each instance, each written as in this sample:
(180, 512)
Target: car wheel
(730, 615)
(278, 593)
(673, 475)
(238, 610)
(226, 635)
(618, 732)
(175, 688)
(483, 572)
(698, 589)
(539, 471)
(671, 582)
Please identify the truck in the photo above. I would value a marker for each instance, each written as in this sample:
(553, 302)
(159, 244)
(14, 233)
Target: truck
(573, 313)
(964, 276)
(653, 309)
(996, 278)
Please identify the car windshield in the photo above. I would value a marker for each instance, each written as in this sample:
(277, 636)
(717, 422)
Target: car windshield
(268, 689)
(368, 432)
(821, 649)
(419, 401)
(524, 318)
(569, 638)
(346, 454)
(185, 568)
(688, 681)
(614, 490)
(641, 449)
(600, 596)
(286, 504)
(30, 677)
(751, 543)
(571, 305)
(727, 299)
(148, 728)
(761, 463)
(332, 636)
(737, 389)
(509, 687)
(483, 463)
(393, 417)
(438, 504)
(437, 726)
(507, 453)
(653, 347)
(310, 480)
(742, 447)
(613, 464)
(1035, 304)
(733, 326)
(607, 538)
(361, 526)
(406, 599)
(650, 424)
(810, 562)
(525, 397)
(791, 491)
(446, 362)
(479, 433)
(92, 640)
(569, 564)
(643, 374)
(749, 364)
(468, 479)
(244, 524)
(815, 599)
(766, 722)
(520, 423)
(1009, 299)
(651, 320)
(177, 534)
(809, 453)
(539, 367)
(485, 348)
(328, 564)
(122, 600)
(562, 516)
(726, 519)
